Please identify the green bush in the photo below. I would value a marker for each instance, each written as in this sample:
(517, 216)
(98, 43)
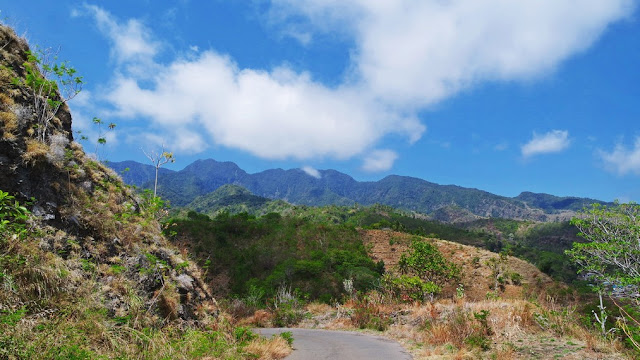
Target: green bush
(411, 288)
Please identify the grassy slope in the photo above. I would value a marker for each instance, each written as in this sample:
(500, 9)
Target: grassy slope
(90, 275)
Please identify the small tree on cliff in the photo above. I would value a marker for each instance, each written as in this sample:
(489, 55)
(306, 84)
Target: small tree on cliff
(52, 85)
(158, 159)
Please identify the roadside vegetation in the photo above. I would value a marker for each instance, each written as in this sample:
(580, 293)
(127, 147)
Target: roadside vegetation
(441, 299)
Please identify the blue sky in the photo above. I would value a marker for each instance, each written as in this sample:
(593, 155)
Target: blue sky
(533, 95)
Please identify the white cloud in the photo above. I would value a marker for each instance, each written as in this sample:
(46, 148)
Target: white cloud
(301, 36)
(379, 160)
(180, 140)
(131, 40)
(311, 172)
(275, 114)
(407, 55)
(551, 142)
(416, 52)
(622, 160)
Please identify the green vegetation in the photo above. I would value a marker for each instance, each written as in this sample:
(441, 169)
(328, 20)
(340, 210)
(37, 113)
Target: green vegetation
(52, 84)
(429, 268)
(542, 244)
(611, 253)
(102, 138)
(610, 258)
(234, 199)
(273, 251)
(13, 216)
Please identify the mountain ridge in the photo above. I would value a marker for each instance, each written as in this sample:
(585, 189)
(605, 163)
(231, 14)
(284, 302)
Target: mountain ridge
(335, 188)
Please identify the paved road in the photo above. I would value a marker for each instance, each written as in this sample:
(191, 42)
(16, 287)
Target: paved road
(311, 344)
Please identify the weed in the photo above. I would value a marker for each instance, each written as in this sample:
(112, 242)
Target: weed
(288, 336)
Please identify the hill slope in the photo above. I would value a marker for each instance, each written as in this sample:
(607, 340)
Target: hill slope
(85, 271)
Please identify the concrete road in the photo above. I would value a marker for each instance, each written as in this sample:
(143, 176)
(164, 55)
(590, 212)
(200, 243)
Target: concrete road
(311, 344)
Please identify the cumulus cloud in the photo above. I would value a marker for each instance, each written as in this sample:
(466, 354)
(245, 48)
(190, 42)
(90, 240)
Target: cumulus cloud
(407, 55)
(379, 160)
(622, 160)
(130, 40)
(274, 114)
(414, 53)
(312, 172)
(551, 142)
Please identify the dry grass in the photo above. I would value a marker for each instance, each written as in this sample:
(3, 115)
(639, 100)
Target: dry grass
(6, 76)
(260, 318)
(35, 152)
(449, 329)
(6, 101)
(10, 123)
(477, 276)
(318, 308)
(269, 349)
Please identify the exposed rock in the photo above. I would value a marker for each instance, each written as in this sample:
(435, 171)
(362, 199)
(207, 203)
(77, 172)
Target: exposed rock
(184, 282)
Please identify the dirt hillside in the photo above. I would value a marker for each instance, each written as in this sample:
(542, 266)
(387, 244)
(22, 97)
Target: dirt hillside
(478, 273)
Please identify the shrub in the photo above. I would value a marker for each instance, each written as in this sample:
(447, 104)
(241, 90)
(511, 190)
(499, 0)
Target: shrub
(411, 288)
(12, 215)
(287, 309)
(369, 316)
(51, 85)
(516, 278)
(429, 269)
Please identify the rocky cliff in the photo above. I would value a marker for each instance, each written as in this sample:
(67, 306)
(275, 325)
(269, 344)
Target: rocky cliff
(88, 237)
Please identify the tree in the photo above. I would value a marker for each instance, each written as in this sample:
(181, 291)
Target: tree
(51, 85)
(610, 258)
(430, 270)
(611, 254)
(427, 262)
(158, 159)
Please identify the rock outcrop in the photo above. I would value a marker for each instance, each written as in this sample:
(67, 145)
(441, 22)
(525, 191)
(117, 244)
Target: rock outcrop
(97, 231)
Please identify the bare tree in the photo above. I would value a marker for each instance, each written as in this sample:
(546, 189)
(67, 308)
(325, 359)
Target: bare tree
(158, 159)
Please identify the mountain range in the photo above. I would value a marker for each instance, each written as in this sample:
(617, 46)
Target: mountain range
(449, 203)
